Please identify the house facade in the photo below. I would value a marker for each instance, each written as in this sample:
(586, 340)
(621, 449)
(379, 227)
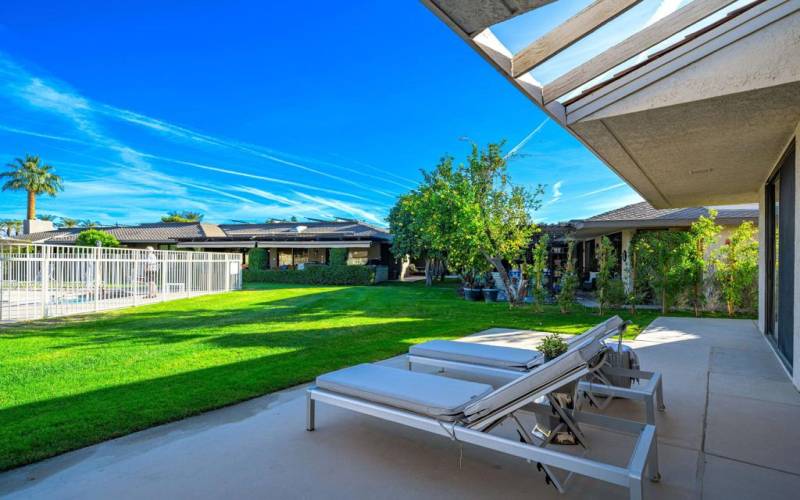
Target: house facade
(288, 244)
(621, 225)
(701, 107)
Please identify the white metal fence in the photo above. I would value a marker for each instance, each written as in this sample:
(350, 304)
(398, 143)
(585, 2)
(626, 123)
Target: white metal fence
(43, 281)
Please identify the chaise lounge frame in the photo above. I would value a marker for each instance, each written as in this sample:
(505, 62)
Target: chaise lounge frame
(644, 455)
(650, 394)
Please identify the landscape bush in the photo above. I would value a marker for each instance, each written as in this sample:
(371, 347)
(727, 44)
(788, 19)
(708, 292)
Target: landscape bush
(314, 275)
(257, 259)
(91, 237)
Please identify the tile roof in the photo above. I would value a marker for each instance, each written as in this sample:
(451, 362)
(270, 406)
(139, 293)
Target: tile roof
(162, 232)
(306, 230)
(644, 212)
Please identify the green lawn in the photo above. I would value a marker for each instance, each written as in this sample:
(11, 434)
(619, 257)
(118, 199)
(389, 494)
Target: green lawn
(69, 383)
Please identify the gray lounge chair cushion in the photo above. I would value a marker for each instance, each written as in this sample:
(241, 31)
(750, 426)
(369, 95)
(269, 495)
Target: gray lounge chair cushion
(537, 379)
(478, 354)
(439, 397)
(511, 358)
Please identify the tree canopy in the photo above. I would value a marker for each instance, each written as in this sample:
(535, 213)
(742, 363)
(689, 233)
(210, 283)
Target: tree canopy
(472, 215)
(30, 175)
(91, 238)
(182, 216)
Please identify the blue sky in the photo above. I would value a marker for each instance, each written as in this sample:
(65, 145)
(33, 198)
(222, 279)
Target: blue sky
(254, 110)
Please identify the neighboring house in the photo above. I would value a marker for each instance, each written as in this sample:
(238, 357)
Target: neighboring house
(160, 235)
(710, 116)
(622, 224)
(288, 244)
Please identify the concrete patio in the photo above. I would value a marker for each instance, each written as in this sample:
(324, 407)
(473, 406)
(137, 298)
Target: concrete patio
(730, 431)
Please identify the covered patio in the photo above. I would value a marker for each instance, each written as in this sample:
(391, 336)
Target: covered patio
(729, 431)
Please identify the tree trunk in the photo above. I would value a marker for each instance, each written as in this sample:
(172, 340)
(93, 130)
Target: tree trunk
(664, 300)
(428, 272)
(513, 294)
(696, 299)
(31, 205)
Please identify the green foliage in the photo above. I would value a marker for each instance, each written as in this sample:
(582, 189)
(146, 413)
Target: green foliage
(615, 292)
(30, 175)
(607, 261)
(338, 256)
(552, 346)
(540, 251)
(257, 259)
(182, 216)
(661, 263)
(67, 222)
(314, 275)
(472, 215)
(696, 256)
(91, 237)
(47, 217)
(88, 223)
(736, 267)
(569, 281)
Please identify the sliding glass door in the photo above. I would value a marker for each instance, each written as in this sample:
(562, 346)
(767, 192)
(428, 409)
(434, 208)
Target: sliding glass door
(780, 226)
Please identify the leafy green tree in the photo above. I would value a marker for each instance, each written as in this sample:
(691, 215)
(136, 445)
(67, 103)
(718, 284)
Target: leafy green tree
(184, 216)
(569, 281)
(736, 267)
(91, 237)
(31, 175)
(471, 215)
(538, 266)
(494, 217)
(702, 234)
(660, 263)
(607, 263)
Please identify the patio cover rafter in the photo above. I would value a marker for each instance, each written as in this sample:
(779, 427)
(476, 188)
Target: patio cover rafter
(632, 46)
(568, 33)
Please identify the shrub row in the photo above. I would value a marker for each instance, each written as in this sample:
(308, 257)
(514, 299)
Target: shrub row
(314, 275)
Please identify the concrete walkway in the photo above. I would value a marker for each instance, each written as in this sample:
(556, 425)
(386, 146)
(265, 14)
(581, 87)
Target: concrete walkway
(730, 431)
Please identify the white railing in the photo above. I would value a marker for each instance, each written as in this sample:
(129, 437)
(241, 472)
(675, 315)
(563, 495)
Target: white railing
(44, 281)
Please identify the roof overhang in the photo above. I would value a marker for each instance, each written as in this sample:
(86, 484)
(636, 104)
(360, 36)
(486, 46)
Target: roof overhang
(702, 123)
(275, 244)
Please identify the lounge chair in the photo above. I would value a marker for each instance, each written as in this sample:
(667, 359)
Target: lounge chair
(467, 411)
(508, 363)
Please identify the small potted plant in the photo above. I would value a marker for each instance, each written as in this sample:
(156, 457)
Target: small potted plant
(472, 289)
(552, 347)
(489, 290)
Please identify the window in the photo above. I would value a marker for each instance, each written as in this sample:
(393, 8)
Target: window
(357, 256)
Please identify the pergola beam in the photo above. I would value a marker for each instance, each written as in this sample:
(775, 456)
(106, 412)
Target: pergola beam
(566, 34)
(631, 46)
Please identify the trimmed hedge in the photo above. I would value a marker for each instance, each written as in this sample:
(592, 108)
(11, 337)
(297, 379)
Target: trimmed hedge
(315, 275)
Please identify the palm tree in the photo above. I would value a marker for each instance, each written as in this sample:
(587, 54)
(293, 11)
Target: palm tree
(185, 216)
(89, 223)
(48, 217)
(67, 222)
(31, 176)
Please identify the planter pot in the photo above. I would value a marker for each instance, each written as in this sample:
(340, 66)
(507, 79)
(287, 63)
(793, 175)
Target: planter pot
(473, 294)
(490, 294)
